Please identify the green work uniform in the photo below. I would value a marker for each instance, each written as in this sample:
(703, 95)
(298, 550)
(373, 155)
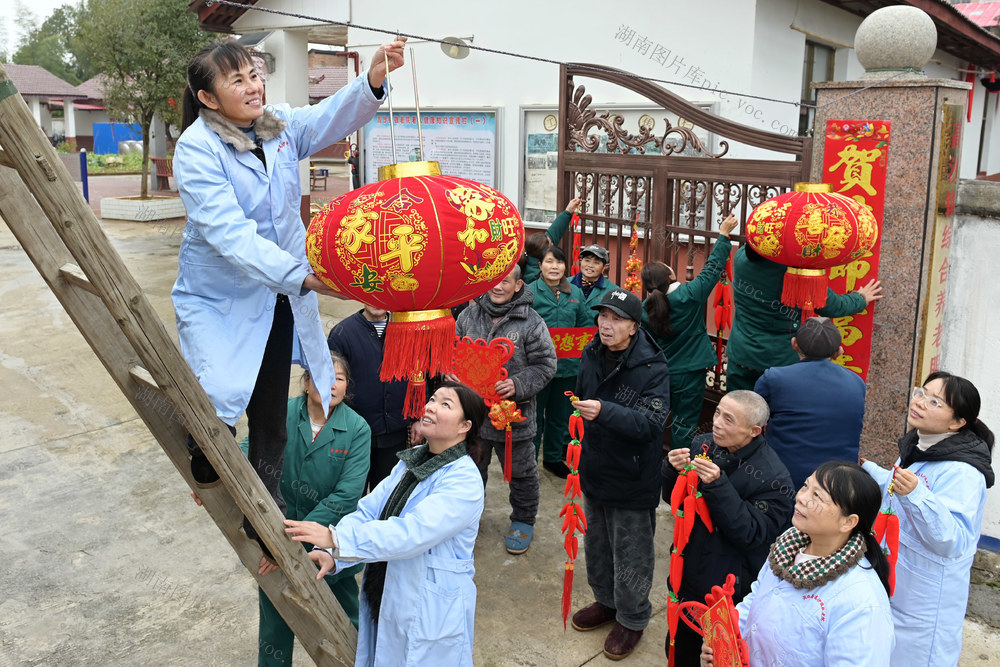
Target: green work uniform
(688, 350)
(565, 307)
(555, 233)
(322, 481)
(763, 327)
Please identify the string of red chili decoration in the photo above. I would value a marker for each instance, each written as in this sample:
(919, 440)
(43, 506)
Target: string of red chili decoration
(572, 513)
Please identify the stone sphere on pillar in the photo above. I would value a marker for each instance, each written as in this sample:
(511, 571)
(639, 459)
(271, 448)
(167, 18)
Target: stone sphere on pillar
(894, 39)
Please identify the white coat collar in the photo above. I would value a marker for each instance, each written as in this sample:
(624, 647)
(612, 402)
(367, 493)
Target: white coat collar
(267, 127)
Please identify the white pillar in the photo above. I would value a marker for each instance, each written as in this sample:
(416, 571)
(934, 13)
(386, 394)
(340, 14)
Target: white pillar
(36, 110)
(69, 116)
(289, 83)
(991, 151)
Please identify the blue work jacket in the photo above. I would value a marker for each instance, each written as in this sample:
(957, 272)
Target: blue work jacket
(244, 243)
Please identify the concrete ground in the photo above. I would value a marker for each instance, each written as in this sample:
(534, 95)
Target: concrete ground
(107, 561)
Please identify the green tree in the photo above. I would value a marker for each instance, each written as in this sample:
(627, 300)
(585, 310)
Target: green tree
(143, 49)
(50, 44)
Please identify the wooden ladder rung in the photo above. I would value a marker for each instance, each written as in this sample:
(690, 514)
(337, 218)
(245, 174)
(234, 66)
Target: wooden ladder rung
(299, 600)
(143, 377)
(74, 275)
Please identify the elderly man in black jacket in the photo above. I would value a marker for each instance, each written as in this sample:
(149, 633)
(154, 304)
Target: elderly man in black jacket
(624, 387)
(750, 498)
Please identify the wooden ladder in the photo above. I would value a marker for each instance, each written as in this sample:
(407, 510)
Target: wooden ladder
(59, 232)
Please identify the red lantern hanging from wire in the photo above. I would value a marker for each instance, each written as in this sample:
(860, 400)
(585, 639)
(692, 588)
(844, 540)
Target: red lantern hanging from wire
(810, 230)
(416, 244)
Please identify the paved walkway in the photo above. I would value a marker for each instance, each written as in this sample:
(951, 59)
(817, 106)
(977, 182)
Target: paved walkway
(107, 561)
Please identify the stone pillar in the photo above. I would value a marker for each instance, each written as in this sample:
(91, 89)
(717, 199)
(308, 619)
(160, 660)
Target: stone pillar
(894, 49)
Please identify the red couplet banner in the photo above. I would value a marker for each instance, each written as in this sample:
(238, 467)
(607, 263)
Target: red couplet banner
(570, 341)
(855, 156)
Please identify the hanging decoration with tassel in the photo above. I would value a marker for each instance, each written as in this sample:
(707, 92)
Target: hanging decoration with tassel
(810, 230)
(572, 512)
(633, 264)
(686, 503)
(577, 228)
(722, 299)
(718, 621)
(886, 530)
(502, 415)
(415, 243)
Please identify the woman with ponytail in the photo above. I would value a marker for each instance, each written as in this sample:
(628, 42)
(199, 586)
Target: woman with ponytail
(822, 598)
(416, 531)
(675, 314)
(244, 286)
(938, 493)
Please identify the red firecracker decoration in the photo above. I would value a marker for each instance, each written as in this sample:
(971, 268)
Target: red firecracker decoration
(887, 529)
(502, 415)
(577, 227)
(416, 246)
(810, 230)
(686, 503)
(633, 264)
(722, 299)
(572, 512)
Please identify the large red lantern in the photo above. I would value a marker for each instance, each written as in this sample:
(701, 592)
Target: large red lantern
(810, 230)
(416, 244)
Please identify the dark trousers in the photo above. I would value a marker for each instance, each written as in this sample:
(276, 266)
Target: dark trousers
(552, 420)
(268, 407)
(687, 646)
(687, 395)
(741, 377)
(619, 551)
(524, 477)
(383, 456)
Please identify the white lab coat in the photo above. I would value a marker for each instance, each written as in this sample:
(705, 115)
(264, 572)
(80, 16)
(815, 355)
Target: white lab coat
(939, 526)
(244, 242)
(844, 623)
(429, 600)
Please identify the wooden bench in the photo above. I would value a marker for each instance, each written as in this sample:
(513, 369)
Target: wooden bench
(164, 170)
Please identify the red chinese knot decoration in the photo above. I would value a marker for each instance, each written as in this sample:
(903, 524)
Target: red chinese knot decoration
(503, 414)
(416, 246)
(810, 230)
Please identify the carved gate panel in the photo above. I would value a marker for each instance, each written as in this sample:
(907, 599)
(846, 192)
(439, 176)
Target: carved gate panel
(676, 197)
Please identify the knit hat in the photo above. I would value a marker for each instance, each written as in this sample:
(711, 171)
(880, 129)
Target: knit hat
(818, 338)
(623, 303)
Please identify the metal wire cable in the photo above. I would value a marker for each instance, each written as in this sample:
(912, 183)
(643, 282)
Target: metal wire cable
(548, 61)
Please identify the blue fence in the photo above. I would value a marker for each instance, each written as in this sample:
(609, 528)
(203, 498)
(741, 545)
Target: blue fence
(107, 136)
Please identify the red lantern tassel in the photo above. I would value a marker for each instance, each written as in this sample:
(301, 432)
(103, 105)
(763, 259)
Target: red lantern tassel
(422, 340)
(416, 397)
(805, 289)
(567, 594)
(508, 450)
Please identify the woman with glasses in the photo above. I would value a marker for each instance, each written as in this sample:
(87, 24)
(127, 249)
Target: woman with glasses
(938, 490)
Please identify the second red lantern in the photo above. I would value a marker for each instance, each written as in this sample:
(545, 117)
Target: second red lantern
(810, 230)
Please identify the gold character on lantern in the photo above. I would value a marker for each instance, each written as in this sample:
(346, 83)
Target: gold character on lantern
(471, 236)
(471, 203)
(857, 168)
(357, 230)
(403, 247)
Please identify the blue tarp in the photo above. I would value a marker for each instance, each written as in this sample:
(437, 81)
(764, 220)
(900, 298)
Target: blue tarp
(107, 136)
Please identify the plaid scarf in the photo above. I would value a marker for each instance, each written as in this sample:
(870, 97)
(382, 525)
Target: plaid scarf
(815, 572)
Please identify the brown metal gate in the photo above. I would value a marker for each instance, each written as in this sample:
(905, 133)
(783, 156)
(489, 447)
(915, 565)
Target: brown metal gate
(679, 199)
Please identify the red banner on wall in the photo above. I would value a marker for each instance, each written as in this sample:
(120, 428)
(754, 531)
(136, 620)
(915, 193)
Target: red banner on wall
(855, 156)
(570, 341)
